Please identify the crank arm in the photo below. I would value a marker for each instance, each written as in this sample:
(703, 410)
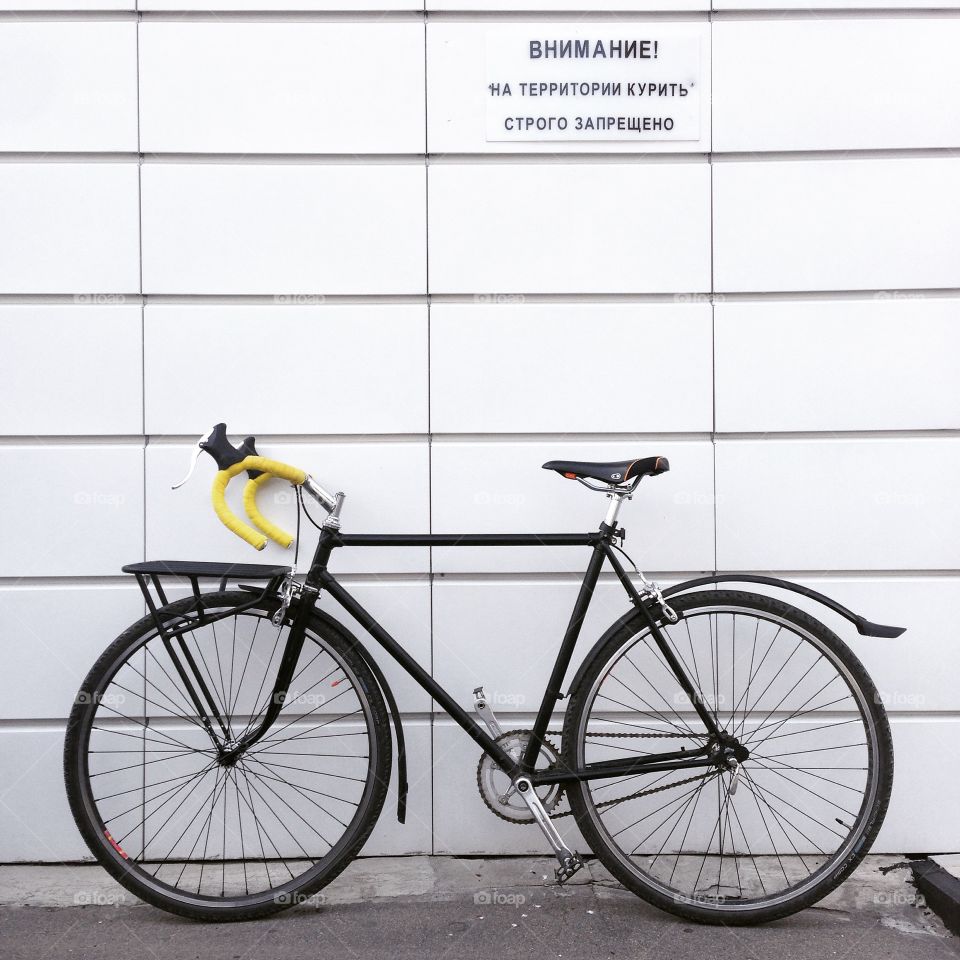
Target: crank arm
(570, 862)
(485, 714)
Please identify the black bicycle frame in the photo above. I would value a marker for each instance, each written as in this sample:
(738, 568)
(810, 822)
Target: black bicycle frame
(319, 579)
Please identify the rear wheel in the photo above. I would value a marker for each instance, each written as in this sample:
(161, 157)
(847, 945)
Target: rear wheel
(211, 840)
(812, 787)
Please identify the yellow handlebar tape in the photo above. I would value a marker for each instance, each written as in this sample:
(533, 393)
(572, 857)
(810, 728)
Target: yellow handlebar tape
(257, 518)
(229, 520)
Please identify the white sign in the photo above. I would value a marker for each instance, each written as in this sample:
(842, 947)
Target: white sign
(600, 81)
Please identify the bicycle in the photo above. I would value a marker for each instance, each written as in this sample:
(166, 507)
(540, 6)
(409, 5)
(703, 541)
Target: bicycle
(723, 753)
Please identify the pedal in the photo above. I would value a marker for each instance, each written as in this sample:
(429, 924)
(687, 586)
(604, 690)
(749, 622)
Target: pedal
(735, 779)
(568, 868)
(485, 714)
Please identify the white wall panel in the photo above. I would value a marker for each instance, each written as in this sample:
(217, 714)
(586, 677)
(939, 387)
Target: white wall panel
(851, 98)
(845, 504)
(39, 825)
(462, 823)
(387, 492)
(924, 790)
(37, 821)
(34, 802)
(283, 229)
(878, 364)
(831, 5)
(52, 355)
(335, 6)
(577, 6)
(505, 635)
(71, 510)
(376, 382)
(390, 838)
(539, 368)
(402, 608)
(836, 224)
(70, 5)
(569, 228)
(59, 632)
(458, 94)
(69, 85)
(917, 671)
(498, 487)
(69, 228)
(458, 407)
(245, 87)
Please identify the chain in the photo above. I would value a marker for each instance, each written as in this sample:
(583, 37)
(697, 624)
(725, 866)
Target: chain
(639, 793)
(649, 736)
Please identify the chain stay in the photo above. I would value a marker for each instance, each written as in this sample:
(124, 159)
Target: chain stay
(639, 793)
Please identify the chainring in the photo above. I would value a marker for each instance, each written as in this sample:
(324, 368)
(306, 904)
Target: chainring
(496, 789)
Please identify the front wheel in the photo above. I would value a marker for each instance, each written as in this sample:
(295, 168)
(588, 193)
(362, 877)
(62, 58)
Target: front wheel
(807, 800)
(175, 820)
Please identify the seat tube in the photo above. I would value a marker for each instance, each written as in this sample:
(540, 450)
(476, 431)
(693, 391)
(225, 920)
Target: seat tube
(554, 691)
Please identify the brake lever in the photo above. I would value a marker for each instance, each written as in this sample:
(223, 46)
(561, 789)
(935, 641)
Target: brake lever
(193, 462)
(223, 451)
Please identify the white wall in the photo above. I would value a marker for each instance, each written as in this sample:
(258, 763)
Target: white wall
(294, 223)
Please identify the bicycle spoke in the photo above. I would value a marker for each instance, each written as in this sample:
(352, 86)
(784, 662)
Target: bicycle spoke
(276, 811)
(774, 694)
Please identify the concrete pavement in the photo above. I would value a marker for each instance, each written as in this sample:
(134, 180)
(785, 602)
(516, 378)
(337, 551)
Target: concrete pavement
(450, 907)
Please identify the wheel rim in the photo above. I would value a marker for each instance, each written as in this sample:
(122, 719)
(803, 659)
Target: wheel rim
(805, 791)
(189, 828)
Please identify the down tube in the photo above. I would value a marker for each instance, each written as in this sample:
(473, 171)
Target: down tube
(450, 705)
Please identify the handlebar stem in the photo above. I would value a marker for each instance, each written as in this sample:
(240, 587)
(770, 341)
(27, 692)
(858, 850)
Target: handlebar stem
(327, 500)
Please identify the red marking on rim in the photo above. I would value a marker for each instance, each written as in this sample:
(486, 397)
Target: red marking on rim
(116, 846)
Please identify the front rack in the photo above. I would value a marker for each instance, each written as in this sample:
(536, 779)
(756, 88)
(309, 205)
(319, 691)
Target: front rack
(173, 625)
(149, 575)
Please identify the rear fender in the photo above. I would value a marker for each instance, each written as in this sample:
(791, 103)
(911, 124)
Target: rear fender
(864, 627)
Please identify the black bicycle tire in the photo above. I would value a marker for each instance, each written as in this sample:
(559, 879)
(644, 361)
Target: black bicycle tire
(578, 794)
(267, 902)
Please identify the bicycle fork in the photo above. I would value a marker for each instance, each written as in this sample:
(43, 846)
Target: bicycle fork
(569, 861)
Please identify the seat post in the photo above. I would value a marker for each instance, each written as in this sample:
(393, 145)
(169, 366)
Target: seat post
(616, 501)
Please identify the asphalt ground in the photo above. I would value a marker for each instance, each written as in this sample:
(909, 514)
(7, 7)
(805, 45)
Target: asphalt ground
(426, 907)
